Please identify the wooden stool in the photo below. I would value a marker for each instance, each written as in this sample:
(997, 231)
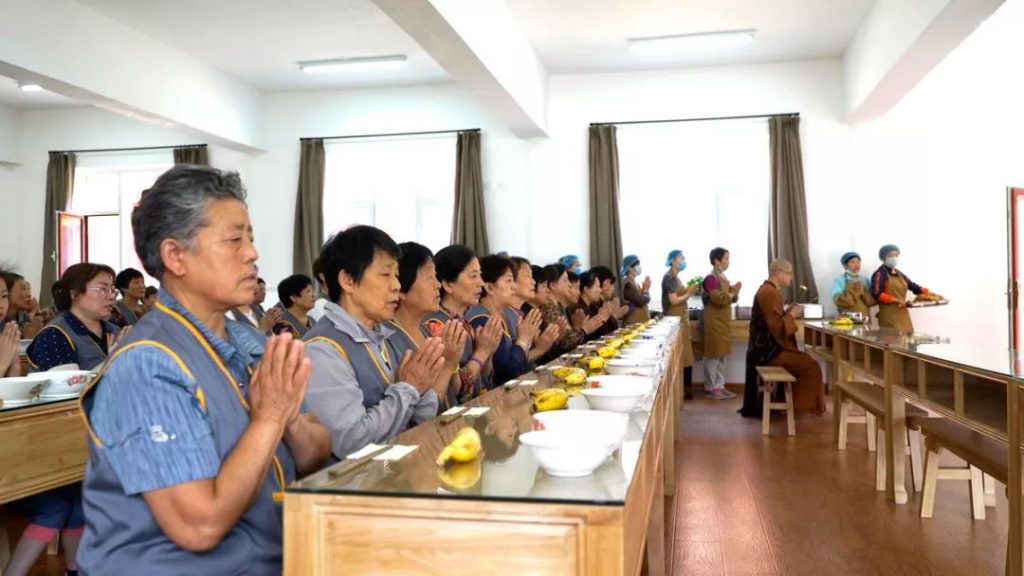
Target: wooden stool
(872, 399)
(769, 377)
(984, 456)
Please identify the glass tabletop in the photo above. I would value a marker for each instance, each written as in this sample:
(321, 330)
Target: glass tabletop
(507, 470)
(998, 361)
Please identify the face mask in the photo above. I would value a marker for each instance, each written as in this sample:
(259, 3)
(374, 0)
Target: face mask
(639, 270)
(852, 275)
(682, 265)
(578, 270)
(891, 262)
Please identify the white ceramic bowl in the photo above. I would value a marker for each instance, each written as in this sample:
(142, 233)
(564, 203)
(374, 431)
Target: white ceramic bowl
(67, 382)
(568, 454)
(584, 423)
(23, 388)
(622, 398)
(642, 353)
(631, 366)
(621, 382)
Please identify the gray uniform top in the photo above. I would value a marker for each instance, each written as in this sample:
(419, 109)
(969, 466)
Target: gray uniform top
(352, 389)
(129, 315)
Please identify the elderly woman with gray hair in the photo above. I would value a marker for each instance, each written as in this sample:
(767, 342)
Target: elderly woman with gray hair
(196, 422)
(773, 343)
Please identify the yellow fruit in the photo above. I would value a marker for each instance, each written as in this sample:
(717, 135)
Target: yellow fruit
(606, 352)
(595, 364)
(463, 448)
(461, 477)
(550, 399)
(576, 378)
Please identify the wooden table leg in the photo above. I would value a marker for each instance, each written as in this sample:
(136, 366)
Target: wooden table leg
(1014, 487)
(668, 452)
(895, 452)
(656, 533)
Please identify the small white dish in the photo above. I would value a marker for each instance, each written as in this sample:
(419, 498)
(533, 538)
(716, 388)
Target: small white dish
(14, 403)
(568, 455)
(56, 397)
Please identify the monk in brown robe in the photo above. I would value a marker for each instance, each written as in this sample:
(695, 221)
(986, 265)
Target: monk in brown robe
(773, 343)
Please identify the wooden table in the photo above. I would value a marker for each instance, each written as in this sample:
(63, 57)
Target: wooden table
(401, 517)
(41, 447)
(975, 385)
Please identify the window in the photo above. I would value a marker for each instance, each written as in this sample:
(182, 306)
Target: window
(402, 185)
(695, 186)
(106, 189)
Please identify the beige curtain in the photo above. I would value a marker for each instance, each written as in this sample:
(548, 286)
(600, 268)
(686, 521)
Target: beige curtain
(787, 223)
(196, 155)
(605, 228)
(469, 226)
(309, 207)
(60, 185)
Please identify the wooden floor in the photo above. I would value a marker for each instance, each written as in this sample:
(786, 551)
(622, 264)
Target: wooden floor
(748, 504)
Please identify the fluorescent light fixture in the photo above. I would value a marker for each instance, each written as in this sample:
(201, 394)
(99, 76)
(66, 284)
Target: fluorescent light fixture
(683, 43)
(30, 87)
(353, 64)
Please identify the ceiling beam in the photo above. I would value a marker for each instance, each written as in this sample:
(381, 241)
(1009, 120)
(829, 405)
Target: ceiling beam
(73, 50)
(898, 44)
(483, 49)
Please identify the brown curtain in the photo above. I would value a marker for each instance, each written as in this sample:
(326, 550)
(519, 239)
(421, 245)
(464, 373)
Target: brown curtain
(605, 228)
(197, 155)
(787, 223)
(60, 185)
(309, 207)
(469, 226)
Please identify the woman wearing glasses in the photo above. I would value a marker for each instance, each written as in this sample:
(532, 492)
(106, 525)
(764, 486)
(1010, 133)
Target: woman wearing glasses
(81, 334)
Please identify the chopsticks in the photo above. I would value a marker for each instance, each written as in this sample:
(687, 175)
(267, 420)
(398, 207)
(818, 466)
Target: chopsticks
(351, 465)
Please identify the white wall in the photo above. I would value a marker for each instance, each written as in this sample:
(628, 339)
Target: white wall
(931, 176)
(560, 164)
(22, 188)
(10, 133)
(291, 116)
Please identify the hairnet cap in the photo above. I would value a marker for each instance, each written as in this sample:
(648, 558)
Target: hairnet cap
(886, 249)
(627, 263)
(672, 256)
(568, 260)
(847, 257)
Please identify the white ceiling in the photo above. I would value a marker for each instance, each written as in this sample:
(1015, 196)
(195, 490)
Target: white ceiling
(260, 41)
(590, 35)
(13, 97)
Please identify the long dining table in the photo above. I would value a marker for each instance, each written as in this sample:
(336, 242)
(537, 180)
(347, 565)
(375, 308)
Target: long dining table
(501, 514)
(974, 384)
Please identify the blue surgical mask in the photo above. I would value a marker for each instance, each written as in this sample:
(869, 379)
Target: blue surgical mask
(682, 265)
(639, 270)
(891, 262)
(578, 270)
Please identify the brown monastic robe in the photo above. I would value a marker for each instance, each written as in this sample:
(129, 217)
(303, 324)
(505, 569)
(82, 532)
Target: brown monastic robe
(809, 390)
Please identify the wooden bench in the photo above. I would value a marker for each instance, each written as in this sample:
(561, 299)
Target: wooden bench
(769, 376)
(871, 398)
(985, 456)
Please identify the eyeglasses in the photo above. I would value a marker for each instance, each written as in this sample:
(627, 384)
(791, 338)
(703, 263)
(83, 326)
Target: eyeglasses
(102, 290)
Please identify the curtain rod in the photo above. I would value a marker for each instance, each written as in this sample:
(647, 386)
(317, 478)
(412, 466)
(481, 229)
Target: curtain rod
(750, 117)
(427, 133)
(140, 149)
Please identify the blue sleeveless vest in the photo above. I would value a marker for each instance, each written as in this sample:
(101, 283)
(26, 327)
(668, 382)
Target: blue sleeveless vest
(127, 313)
(88, 353)
(122, 536)
(298, 328)
(374, 367)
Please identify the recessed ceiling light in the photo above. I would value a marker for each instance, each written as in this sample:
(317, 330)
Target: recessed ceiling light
(30, 87)
(682, 43)
(351, 64)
